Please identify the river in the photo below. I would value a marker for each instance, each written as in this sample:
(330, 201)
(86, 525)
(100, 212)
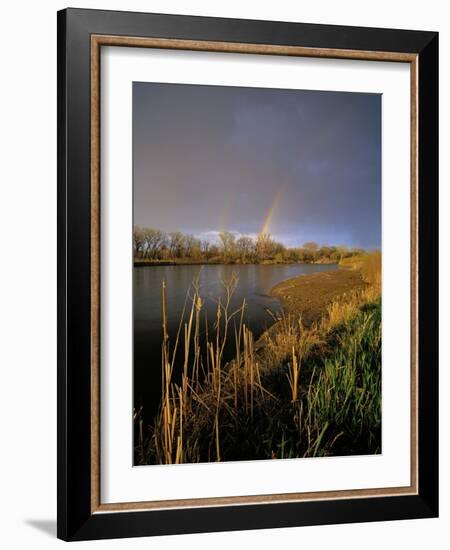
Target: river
(255, 283)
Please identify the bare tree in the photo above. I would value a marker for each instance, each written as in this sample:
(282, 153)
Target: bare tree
(228, 242)
(192, 246)
(245, 247)
(176, 244)
(154, 244)
(154, 241)
(264, 246)
(205, 247)
(311, 245)
(138, 241)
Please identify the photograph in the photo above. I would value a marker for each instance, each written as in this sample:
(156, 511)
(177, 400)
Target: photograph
(257, 261)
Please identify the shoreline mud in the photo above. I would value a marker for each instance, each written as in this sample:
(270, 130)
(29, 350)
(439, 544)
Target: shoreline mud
(310, 295)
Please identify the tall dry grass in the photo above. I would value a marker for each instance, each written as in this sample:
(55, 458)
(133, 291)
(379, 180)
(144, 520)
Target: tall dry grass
(299, 392)
(368, 264)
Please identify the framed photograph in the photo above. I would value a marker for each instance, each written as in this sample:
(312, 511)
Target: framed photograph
(247, 252)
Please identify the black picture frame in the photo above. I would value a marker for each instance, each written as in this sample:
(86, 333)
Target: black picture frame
(76, 521)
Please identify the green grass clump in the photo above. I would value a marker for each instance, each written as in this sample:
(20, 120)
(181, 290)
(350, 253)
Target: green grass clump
(341, 407)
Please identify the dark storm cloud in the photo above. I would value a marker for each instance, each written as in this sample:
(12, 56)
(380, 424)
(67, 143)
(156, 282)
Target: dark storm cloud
(210, 158)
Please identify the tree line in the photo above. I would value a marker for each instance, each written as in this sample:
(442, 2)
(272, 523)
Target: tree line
(154, 245)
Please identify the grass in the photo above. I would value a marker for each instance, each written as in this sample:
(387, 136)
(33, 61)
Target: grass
(297, 392)
(369, 266)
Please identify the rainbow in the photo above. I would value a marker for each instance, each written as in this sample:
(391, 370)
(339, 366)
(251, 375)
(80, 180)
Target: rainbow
(268, 219)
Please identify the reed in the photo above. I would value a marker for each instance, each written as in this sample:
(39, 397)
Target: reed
(297, 392)
(293, 376)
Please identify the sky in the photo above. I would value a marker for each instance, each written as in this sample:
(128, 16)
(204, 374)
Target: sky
(300, 165)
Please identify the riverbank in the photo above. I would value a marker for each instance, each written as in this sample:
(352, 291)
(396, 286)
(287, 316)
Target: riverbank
(310, 295)
(301, 390)
(214, 261)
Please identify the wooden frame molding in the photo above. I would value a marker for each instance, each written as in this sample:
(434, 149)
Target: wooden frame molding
(96, 42)
(82, 33)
